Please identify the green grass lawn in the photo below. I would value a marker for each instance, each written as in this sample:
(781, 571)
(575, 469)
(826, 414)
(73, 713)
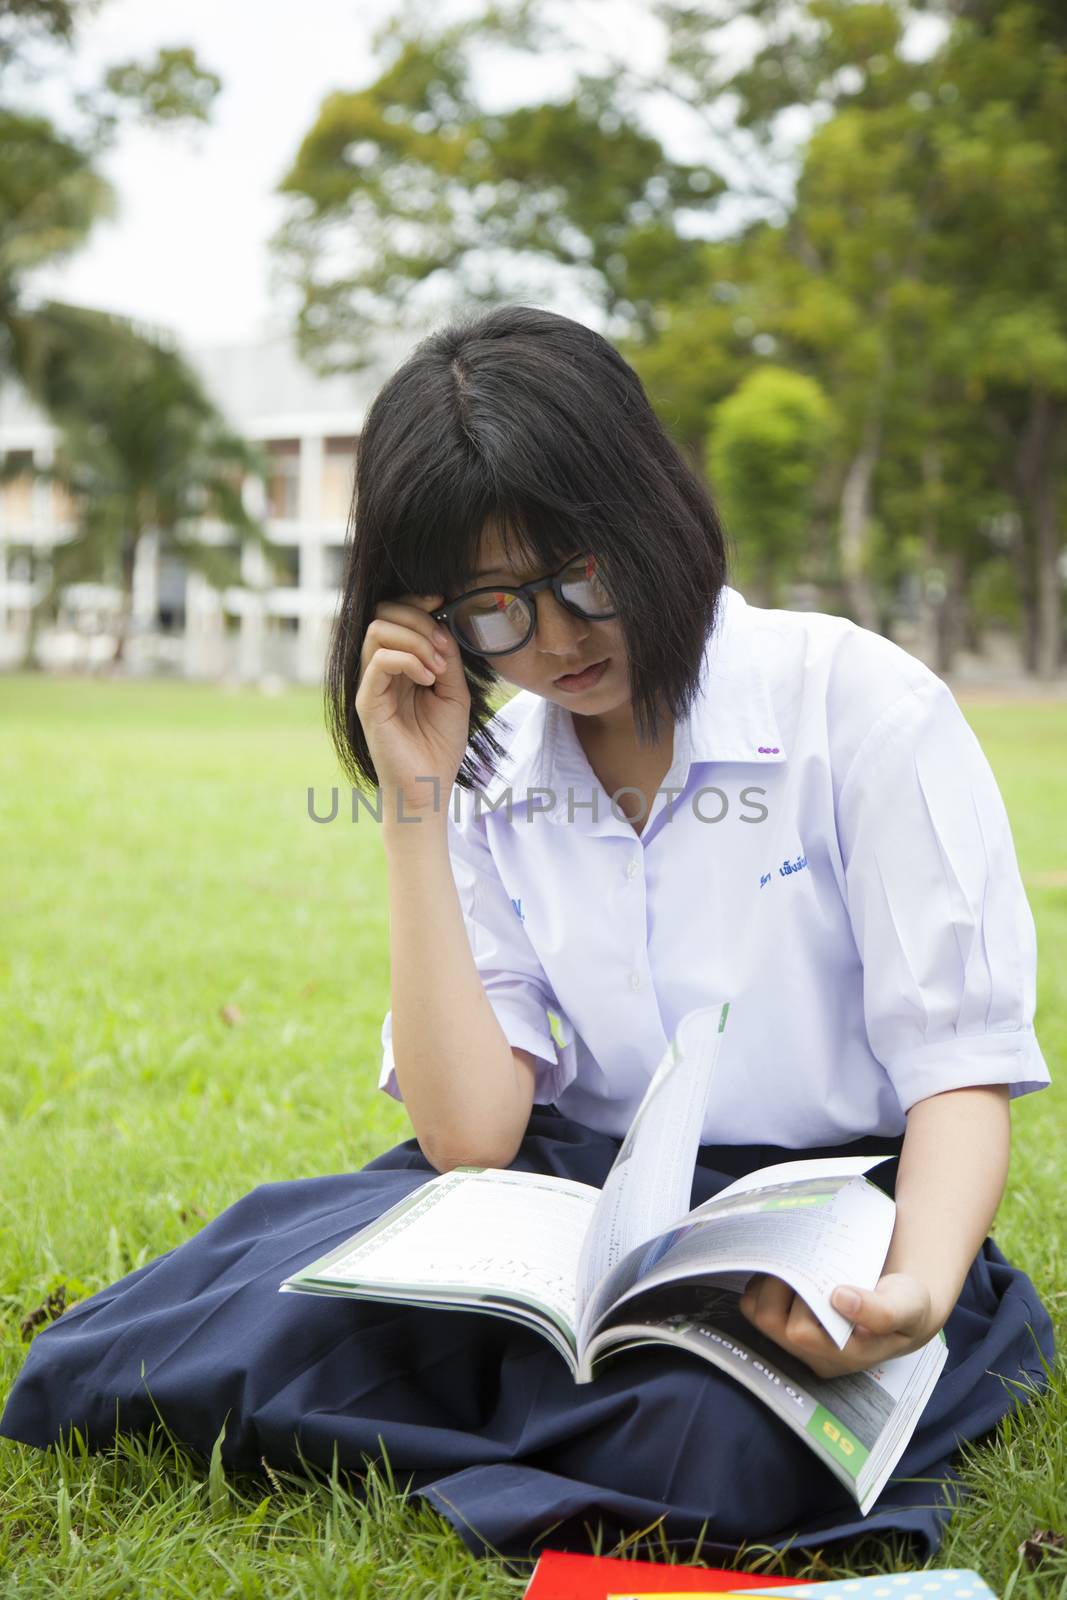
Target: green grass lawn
(159, 866)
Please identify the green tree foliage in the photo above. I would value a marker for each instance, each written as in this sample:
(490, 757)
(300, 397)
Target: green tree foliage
(1003, 166)
(908, 255)
(935, 196)
(51, 191)
(702, 350)
(766, 447)
(407, 179)
(50, 196)
(141, 445)
(142, 449)
(23, 23)
(172, 88)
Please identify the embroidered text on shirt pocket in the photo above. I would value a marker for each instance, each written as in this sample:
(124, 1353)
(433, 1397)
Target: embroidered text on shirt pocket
(786, 870)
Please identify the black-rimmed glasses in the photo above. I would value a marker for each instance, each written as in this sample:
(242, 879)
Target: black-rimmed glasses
(497, 620)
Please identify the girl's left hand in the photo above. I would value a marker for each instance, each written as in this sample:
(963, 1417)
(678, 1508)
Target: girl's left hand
(895, 1317)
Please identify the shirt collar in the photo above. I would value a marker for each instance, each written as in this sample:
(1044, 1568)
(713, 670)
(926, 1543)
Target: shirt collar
(731, 719)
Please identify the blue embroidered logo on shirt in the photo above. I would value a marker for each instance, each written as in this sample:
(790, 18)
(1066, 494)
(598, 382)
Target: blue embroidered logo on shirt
(518, 910)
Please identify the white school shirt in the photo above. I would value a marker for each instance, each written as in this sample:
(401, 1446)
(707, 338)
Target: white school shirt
(854, 894)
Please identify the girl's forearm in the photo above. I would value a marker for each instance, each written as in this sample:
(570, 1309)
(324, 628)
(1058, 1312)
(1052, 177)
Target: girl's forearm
(953, 1167)
(468, 1097)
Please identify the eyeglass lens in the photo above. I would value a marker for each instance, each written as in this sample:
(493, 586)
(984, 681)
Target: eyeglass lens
(500, 619)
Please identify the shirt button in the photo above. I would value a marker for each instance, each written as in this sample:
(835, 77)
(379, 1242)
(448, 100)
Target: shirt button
(635, 980)
(631, 868)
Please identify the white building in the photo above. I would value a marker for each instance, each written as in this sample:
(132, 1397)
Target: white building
(277, 621)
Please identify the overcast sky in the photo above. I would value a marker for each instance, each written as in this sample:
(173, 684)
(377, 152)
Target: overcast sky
(196, 208)
(188, 247)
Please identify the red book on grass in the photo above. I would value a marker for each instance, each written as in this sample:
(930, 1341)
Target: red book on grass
(559, 1576)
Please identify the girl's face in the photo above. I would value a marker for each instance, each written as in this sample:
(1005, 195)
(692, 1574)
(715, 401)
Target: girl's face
(562, 644)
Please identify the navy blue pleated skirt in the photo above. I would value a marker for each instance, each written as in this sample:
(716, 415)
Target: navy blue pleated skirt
(481, 1416)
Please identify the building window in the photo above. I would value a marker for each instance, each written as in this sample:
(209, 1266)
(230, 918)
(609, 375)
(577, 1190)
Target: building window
(338, 470)
(172, 580)
(283, 479)
(20, 563)
(229, 570)
(65, 508)
(333, 565)
(284, 563)
(16, 495)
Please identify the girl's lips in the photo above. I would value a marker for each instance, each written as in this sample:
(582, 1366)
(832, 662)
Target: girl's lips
(573, 681)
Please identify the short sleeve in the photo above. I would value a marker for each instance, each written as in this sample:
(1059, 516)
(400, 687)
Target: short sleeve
(938, 909)
(518, 990)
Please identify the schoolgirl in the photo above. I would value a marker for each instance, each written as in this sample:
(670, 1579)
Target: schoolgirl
(690, 799)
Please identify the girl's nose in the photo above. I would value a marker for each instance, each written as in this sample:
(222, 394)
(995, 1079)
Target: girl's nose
(558, 631)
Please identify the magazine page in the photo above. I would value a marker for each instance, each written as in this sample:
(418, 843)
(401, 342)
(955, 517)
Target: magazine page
(500, 1240)
(859, 1423)
(650, 1184)
(814, 1231)
(803, 1169)
(929, 1583)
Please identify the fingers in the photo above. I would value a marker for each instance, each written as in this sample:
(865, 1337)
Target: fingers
(414, 610)
(389, 664)
(403, 639)
(781, 1314)
(383, 635)
(421, 602)
(899, 1305)
(866, 1309)
(766, 1302)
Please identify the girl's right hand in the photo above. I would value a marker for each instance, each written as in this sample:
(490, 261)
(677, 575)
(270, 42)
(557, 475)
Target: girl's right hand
(413, 703)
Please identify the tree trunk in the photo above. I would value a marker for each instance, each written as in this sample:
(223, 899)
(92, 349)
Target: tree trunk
(944, 620)
(950, 613)
(1046, 525)
(855, 516)
(1037, 474)
(129, 554)
(29, 662)
(929, 631)
(1020, 553)
(1020, 547)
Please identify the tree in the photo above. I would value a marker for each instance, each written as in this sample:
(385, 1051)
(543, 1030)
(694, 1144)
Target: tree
(767, 444)
(930, 220)
(1004, 171)
(51, 192)
(407, 180)
(142, 450)
(141, 445)
(907, 254)
(953, 176)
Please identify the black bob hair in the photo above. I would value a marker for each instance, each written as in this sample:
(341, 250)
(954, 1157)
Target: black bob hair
(530, 421)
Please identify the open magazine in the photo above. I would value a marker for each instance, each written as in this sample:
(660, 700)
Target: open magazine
(596, 1271)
